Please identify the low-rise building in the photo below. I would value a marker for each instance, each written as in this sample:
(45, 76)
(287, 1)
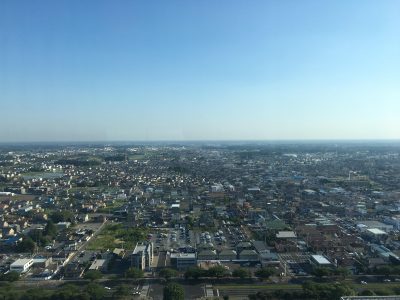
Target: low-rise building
(207, 254)
(21, 265)
(183, 260)
(320, 261)
(249, 255)
(227, 255)
(99, 264)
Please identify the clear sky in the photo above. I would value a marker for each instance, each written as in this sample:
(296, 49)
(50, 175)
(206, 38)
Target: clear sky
(78, 70)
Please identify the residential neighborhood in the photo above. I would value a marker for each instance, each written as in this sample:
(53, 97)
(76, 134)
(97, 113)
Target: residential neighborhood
(281, 213)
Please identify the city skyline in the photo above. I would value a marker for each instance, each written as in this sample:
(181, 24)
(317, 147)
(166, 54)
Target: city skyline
(182, 71)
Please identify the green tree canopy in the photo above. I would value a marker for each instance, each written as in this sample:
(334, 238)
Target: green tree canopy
(37, 236)
(327, 290)
(240, 272)
(93, 275)
(70, 292)
(121, 291)
(174, 291)
(95, 291)
(62, 216)
(26, 245)
(216, 271)
(50, 229)
(195, 272)
(265, 272)
(134, 273)
(10, 276)
(168, 273)
(321, 271)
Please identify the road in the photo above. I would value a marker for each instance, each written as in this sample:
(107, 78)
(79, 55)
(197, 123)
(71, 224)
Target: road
(84, 244)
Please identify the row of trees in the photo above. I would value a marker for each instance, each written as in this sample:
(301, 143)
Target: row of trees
(220, 271)
(323, 271)
(387, 270)
(310, 290)
(91, 291)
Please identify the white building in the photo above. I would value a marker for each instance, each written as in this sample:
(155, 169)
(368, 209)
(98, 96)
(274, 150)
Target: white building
(142, 256)
(99, 264)
(217, 188)
(320, 261)
(21, 265)
(364, 225)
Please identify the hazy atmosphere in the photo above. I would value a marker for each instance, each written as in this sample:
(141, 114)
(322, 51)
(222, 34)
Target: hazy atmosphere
(199, 70)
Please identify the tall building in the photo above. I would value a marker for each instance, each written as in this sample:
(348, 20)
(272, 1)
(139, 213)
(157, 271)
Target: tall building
(142, 256)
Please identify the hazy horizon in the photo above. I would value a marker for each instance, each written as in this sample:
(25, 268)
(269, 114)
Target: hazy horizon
(181, 71)
(243, 141)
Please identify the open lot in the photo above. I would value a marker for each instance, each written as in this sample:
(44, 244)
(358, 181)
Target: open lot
(116, 235)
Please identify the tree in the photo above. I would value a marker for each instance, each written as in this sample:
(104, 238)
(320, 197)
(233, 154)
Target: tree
(195, 272)
(216, 271)
(310, 289)
(168, 273)
(190, 221)
(384, 270)
(240, 272)
(344, 272)
(265, 272)
(50, 229)
(95, 291)
(321, 272)
(339, 290)
(70, 292)
(134, 273)
(26, 245)
(122, 291)
(62, 216)
(327, 290)
(37, 236)
(93, 275)
(10, 276)
(174, 291)
(35, 294)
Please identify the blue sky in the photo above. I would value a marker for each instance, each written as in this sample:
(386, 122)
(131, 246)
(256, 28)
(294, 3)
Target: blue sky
(199, 70)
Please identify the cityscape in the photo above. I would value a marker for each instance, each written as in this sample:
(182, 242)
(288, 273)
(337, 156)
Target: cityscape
(228, 220)
(200, 150)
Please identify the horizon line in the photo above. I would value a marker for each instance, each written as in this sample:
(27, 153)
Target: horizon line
(200, 141)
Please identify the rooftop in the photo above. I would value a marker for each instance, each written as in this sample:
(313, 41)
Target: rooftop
(376, 231)
(21, 261)
(321, 260)
(286, 235)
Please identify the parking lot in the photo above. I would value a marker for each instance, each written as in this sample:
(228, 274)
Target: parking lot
(174, 238)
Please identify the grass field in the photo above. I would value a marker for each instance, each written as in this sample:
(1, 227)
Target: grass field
(114, 206)
(115, 236)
